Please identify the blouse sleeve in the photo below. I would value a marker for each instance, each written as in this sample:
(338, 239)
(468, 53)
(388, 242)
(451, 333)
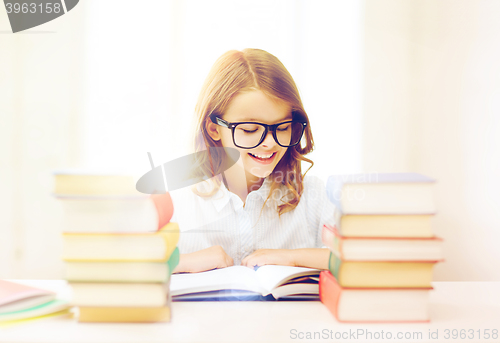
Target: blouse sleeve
(320, 210)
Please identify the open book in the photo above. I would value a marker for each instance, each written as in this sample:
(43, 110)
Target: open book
(242, 283)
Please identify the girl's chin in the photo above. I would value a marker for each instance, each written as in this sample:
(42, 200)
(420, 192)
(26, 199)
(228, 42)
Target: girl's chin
(262, 176)
(257, 172)
(258, 169)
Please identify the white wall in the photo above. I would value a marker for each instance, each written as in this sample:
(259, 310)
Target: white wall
(40, 77)
(432, 105)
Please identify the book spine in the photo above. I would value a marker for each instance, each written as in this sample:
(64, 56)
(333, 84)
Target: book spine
(170, 234)
(331, 239)
(334, 265)
(165, 208)
(337, 218)
(329, 292)
(173, 261)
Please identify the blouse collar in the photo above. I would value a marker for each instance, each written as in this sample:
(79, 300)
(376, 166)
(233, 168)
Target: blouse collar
(223, 196)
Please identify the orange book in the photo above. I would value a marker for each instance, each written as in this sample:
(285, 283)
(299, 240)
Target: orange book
(373, 304)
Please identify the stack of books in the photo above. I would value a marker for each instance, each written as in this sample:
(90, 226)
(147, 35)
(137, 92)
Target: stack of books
(383, 249)
(119, 248)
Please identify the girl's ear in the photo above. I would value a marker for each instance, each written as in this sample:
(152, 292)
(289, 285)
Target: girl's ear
(213, 130)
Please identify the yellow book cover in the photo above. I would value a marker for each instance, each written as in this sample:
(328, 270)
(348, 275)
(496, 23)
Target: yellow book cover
(124, 314)
(89, 183)
(121, 247)
(383, 225)
(7, 324)
(381, 274)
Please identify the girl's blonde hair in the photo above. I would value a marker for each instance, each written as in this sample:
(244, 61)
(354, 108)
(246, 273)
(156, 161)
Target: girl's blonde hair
(252, 69)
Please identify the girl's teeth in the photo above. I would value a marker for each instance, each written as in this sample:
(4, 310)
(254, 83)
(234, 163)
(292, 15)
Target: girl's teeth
(263, 156)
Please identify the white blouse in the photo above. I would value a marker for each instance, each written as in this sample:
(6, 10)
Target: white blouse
(223, 220)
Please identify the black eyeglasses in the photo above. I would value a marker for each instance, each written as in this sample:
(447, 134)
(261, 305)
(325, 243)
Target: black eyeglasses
(248, 135)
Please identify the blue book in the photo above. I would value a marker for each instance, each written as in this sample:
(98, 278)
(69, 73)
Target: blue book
(382, 193)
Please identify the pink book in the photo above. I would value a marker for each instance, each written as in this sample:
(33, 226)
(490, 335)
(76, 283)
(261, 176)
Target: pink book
(17, 297)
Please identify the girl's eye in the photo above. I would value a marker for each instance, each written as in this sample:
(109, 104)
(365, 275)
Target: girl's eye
(284, 128)
(248, 128)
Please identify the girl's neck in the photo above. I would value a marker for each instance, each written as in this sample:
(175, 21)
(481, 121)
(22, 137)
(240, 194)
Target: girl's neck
(240, 182)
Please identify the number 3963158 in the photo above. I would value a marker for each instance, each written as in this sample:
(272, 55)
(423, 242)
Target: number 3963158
(26, 8)
(471, 334)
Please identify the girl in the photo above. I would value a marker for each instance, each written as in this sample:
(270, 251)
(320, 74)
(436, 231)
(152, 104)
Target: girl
(262, 210)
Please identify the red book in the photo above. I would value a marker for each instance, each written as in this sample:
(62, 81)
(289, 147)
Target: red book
(164, 207)
(373, 305)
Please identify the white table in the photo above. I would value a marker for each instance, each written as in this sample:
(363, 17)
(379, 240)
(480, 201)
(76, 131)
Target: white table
(454, 305)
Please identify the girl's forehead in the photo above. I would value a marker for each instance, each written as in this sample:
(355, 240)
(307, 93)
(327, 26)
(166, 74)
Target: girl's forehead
(257, 106)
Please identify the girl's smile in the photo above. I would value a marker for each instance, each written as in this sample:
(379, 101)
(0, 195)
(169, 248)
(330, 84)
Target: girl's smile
(265, 158)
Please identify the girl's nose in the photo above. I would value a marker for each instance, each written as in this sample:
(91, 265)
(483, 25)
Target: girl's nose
(268, 140)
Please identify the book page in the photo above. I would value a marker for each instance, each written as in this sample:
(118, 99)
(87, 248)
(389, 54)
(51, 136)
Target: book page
(234, 277)
(272, 276)
(13, 291)
(305, 291)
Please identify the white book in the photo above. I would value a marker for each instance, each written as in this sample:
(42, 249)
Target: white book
(382, 248)
(116, 271)
(239, 283)
(119, 214)
(119, 294)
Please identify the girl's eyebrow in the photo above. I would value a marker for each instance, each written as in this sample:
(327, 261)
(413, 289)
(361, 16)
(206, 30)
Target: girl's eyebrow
(288, 118)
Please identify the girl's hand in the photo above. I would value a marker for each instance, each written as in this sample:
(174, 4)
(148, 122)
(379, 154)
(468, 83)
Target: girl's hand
(203, 260)
(308, 257)
(261, 257)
